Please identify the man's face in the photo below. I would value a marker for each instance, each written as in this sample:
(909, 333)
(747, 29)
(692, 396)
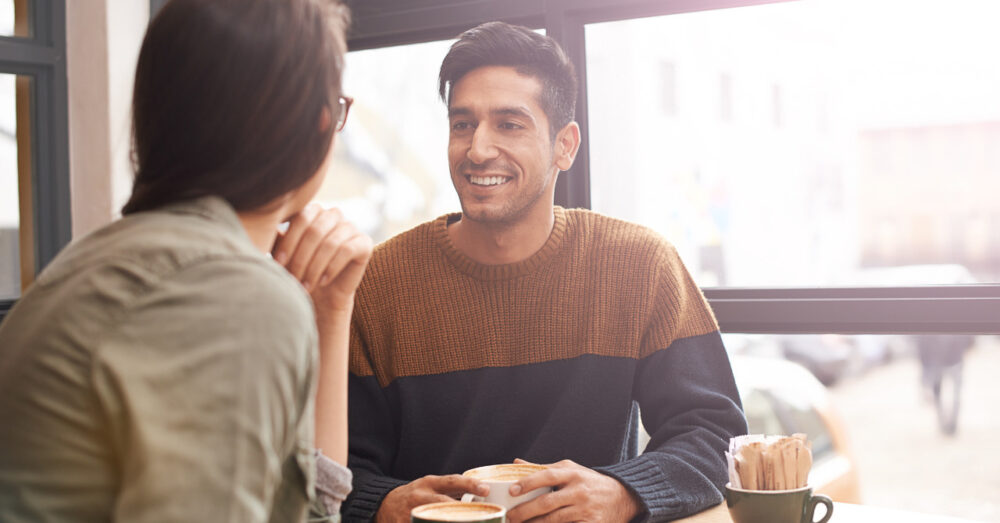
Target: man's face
(499, 149)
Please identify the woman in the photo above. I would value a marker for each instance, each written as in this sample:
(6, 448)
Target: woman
(164, 368)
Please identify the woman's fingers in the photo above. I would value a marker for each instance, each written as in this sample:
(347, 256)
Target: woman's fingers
(310, 239)
(327, 255)
(287, 241)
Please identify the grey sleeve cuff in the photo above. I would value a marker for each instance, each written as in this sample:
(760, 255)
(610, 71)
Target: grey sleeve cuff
(333, 483)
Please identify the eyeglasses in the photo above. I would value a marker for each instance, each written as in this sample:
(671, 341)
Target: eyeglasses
(345, 106)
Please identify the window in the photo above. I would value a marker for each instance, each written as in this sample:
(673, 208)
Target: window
(7, 18)
(390, 167)
(747, 183)
(725, 97)
(14, 93)
(10, 251)
(34, 166)
(11, 23)
(777, 105)
(668, 77)
(761, 417)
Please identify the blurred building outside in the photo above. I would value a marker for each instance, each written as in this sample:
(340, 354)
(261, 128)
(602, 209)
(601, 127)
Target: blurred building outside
(944, 180)
(792, 144)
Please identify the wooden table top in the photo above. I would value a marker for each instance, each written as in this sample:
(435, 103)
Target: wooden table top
(842, 513)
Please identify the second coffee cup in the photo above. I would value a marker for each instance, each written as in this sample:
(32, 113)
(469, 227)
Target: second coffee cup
(776, 506)
(500, 478)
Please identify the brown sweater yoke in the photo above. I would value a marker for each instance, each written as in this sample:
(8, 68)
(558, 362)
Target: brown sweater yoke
(598, 286)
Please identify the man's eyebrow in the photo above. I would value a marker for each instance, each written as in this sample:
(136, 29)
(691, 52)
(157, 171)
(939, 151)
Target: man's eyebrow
(513, 110)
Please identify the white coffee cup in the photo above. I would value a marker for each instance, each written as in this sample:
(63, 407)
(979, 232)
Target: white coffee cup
(500, 478)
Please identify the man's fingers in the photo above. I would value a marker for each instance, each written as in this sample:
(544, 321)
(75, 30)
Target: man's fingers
(456, 484)
(429, 497)
(540, 506)
(561, 515)
(543, 478)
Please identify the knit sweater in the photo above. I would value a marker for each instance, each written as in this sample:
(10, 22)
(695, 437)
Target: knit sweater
(456, 364)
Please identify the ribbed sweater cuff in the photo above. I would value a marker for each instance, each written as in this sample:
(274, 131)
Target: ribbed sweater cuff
(366, 497)
(659, 500)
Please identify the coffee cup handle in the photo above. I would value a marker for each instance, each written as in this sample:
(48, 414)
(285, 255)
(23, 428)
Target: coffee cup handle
(467, 498)
(815, 500)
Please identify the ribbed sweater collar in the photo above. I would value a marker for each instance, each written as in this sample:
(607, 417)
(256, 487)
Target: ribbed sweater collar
(505, 271)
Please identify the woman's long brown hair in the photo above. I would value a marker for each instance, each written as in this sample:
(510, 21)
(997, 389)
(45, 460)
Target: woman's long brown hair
(228, 99)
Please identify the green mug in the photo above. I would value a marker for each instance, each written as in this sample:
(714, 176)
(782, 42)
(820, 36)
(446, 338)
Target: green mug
(776, 506)
(458, 511)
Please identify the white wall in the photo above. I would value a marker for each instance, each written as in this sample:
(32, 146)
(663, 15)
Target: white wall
(102, 44)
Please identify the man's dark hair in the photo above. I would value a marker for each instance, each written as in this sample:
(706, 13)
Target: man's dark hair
(228, 96)
(529, 53)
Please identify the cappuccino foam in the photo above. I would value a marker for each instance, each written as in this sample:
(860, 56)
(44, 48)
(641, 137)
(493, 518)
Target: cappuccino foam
(456, 511)
(504, 472)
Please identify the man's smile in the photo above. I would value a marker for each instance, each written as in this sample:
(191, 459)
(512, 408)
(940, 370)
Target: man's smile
(487, 180)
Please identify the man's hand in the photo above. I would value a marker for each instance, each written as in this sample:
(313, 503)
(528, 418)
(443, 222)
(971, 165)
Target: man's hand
(583, 495)
(396, 505)
(327, 254)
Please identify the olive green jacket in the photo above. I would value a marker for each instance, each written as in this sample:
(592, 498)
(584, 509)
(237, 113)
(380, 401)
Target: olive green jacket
(159, 369)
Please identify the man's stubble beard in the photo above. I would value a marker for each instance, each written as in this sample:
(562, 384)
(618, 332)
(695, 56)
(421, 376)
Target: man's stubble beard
(510, 212)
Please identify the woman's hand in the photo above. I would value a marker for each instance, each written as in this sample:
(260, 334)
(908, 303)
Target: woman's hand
(327, 254)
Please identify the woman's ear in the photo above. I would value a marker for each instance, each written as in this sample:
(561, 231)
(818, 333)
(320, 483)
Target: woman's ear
(566, 146)
(325, 120)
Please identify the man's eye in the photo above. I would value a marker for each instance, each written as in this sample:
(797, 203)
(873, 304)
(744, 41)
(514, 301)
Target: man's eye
(461, 126)
(511, 126)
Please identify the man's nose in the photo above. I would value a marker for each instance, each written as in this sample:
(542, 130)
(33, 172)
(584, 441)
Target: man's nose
(483, 147)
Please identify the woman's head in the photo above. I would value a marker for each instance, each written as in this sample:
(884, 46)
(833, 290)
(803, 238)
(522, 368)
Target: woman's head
(235, 98)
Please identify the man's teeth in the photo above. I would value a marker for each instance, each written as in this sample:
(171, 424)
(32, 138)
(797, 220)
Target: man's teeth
(487, 180)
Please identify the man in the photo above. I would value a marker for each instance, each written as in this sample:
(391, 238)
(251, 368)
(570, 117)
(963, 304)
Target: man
(521, 330)
(941, 358)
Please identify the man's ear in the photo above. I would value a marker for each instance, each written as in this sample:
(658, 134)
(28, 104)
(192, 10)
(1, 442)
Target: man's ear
(566, 146)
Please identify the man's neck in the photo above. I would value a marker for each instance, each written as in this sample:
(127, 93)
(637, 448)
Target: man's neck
(499, 244)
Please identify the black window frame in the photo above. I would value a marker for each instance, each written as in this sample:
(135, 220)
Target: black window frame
(42, 57)
(972, 309)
